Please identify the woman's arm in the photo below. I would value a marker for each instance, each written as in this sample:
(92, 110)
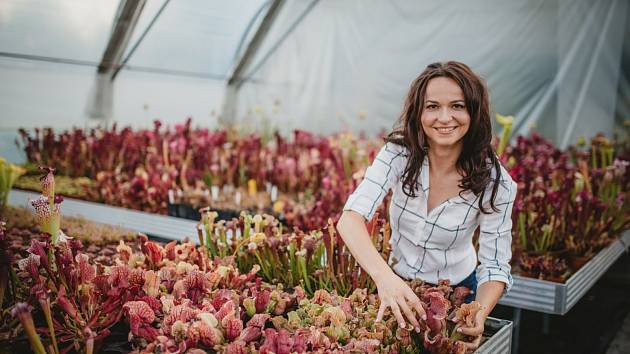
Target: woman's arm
(351, 227)
(392, 290)
(379, 179)
(488, 294)
(495, 252)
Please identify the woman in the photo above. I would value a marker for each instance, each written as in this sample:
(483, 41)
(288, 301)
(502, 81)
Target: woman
(443, 170)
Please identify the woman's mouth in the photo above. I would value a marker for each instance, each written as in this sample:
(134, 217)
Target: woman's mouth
(445, 130)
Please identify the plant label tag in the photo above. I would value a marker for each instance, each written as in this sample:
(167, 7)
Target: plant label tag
(237, 198)
(252, 189)
(274, 194)
(215, 192)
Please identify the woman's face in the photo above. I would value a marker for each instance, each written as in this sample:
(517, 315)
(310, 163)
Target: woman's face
(444, 118)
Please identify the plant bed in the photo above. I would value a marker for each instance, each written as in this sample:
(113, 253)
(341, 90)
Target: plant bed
(558, 298)
(150, 163)
(571, 204)
(99, 240)
(162, 226)
(172, 300)
(181, 296)
(79, 187)
(497, 340)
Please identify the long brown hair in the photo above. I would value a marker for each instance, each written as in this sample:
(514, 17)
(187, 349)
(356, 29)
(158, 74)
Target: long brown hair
(477, 158)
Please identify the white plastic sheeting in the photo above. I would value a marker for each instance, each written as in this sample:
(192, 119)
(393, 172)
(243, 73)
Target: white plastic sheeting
(195, 39)
(326, 65)
(623, 92)
(348, 64)
(588, 95)
(59, 28)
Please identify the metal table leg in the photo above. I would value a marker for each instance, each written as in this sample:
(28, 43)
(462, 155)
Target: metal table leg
(515, 331)
(546, 323)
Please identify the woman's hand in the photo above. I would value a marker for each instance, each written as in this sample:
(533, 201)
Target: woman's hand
(393, 291)
(476, 330)
(398, 296)
(488, 295)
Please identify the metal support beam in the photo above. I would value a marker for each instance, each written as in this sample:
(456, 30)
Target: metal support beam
(254, 44)
(100, 101)
(137, 44)
(546, 325)
(236, 78)
(516, 329)
(129, 13)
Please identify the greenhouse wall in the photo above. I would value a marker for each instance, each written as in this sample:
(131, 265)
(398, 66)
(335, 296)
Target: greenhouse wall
(342, 65)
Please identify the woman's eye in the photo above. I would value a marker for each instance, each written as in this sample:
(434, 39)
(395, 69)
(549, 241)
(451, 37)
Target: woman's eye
(431, 106)
(458, 106)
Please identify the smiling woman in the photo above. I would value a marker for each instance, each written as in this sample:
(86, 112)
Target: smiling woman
(449, 95)
(447, 182)
(444, 117)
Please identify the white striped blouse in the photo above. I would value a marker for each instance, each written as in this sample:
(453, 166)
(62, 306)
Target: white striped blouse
(438, 245)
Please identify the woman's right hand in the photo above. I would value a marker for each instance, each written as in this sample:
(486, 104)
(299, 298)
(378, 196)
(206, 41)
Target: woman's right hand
(392, 290)
(403, 302)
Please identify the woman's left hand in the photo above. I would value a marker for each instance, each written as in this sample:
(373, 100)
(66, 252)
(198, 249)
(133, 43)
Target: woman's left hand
(475, 331)
(488, 295)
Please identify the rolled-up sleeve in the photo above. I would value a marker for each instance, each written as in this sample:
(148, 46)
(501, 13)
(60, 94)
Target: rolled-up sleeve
(495, 239)
(378, 180)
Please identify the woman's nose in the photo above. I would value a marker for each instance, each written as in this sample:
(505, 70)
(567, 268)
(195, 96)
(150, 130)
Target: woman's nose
(444, 115)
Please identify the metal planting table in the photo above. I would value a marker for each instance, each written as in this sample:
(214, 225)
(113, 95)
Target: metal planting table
(557, 298)
(500, 340)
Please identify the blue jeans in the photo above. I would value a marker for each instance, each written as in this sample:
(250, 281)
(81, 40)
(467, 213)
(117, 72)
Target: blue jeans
(471, 283)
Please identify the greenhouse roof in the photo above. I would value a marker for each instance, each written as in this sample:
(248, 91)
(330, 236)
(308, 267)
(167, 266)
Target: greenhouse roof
(195, 38)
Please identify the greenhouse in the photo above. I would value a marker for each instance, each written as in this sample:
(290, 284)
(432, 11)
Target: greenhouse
(314, 176)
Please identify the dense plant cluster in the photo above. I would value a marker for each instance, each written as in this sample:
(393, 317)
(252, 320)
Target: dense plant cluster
(570, 204)
(180, 297)
(310, 175)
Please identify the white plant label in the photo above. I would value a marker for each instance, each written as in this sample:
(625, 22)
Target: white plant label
(274, 194)
(215, 192)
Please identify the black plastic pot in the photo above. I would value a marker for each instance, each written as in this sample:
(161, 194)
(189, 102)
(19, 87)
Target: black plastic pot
(187, 211)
